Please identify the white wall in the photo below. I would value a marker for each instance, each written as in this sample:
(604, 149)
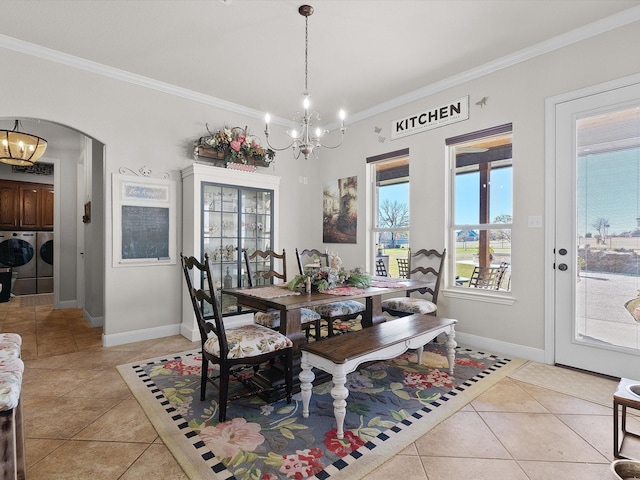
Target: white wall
(143, 127)
(516, 94)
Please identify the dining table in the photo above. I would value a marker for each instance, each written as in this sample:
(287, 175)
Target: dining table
(290, 303)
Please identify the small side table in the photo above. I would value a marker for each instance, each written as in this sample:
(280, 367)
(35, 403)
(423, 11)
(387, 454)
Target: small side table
(625, 398)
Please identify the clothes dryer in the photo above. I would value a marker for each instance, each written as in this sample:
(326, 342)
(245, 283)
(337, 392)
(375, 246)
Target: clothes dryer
(44, 263)
(18, 251)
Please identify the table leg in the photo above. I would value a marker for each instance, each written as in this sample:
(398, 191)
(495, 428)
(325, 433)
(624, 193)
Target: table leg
(339, 393)
(306, 388)
(616, 451)
(373, 311)
(290, 321)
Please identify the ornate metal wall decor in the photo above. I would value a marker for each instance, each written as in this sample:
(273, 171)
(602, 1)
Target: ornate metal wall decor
(35, 169)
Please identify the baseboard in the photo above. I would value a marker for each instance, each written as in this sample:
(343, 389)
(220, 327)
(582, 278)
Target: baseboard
(190, 331)
(140, 335)
(93, 321)
(500, 348)
(67, 304)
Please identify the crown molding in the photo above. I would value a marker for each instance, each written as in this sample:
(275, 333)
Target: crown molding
(620, 19)
(604, 25)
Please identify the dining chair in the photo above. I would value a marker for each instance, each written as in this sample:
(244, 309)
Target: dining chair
(426, 265)
(334, 313)
(232, 349)
(381, 269)
(488, 278)
(403, 267)
(504, 282)
(261, 270)
(308, 256)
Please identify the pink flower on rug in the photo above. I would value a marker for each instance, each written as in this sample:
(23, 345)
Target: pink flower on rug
(268, 476)
(342, 446)
(469, 362)
(435, 378)
(229, 438)
(189, 365)
(302, 465)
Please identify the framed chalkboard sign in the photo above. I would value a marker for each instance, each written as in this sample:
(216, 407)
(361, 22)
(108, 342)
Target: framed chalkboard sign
(144, 221)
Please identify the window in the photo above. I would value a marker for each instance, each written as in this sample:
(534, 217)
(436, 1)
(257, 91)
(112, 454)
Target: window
(481, 207)
(390, 203)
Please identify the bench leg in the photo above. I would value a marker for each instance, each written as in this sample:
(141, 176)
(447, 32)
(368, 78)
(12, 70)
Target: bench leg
(306, 385)
(419, 352)
(451, 345)
(339, 393)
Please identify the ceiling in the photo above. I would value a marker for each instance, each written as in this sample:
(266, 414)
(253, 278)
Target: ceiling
(364, 56)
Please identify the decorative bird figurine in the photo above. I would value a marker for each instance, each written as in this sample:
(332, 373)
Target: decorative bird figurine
(482, 102)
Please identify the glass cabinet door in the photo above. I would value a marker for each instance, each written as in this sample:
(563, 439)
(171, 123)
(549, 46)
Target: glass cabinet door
(234, 218)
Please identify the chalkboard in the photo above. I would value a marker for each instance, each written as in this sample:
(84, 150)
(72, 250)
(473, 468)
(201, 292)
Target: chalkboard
(145, 232)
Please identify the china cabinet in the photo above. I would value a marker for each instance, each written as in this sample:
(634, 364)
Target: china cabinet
(225, 211)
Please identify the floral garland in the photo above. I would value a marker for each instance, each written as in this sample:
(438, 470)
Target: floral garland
(328, 278)
(237, 146)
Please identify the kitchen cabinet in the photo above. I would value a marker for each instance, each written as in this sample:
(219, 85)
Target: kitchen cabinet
(26, 206)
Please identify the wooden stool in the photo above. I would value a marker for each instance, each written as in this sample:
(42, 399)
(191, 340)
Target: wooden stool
(627, 399)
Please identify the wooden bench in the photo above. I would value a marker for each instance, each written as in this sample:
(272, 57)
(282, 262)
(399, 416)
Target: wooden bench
(341, 355)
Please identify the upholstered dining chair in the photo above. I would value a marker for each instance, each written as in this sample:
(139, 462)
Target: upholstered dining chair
(231, 348)
(424, 265)
(261, 270)
(340, 311)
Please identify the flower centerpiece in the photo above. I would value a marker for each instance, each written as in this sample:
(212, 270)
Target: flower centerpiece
(328, 278)
(234, 145)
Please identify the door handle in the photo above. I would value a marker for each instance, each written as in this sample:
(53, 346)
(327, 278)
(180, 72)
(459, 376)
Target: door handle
(562, 267)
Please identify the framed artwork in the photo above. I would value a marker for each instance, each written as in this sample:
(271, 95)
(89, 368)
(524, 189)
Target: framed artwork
(144, 221)
(340, 211)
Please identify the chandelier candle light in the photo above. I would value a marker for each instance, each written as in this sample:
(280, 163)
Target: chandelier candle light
(22, 149)
(305, 142)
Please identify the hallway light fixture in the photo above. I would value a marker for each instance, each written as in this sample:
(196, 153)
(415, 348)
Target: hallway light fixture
(306, 141)
(18, 148)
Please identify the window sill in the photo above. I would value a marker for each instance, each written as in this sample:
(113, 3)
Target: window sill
(479, 295)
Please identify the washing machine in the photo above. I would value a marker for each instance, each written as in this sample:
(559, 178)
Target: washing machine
(44, 262)
(18, 251)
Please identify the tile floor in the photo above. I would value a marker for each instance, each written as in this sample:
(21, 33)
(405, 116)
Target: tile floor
(82, 422)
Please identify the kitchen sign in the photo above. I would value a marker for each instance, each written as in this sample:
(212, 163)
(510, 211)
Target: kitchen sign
(452, 112)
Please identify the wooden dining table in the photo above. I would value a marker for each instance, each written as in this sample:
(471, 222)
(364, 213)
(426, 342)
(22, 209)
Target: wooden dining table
(290, 304)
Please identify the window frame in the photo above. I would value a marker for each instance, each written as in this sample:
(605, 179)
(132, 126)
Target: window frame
(374, 229)
(451, 288)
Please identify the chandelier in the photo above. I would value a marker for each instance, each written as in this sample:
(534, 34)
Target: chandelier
(307, 140)
(22, 149)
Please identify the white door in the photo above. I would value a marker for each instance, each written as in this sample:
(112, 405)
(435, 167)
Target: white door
(596, 277)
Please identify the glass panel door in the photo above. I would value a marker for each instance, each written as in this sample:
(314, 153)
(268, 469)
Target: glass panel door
(597, 275)
(233, 218)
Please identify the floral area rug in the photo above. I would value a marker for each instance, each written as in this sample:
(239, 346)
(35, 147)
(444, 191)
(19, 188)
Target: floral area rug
(390, 405)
